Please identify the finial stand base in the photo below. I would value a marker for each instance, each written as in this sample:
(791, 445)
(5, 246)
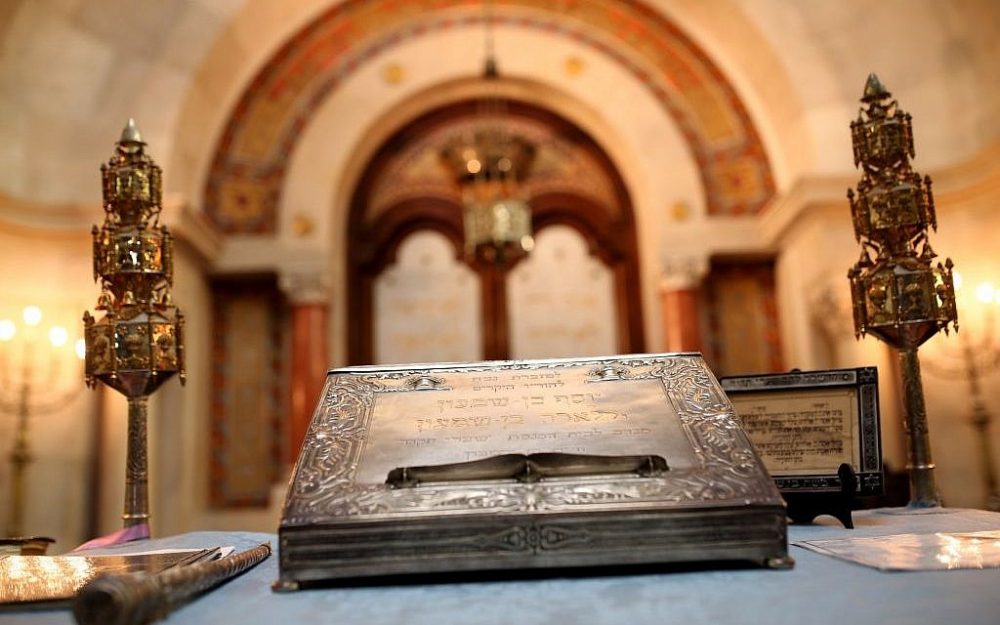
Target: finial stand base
(136, 465)
(923, 488)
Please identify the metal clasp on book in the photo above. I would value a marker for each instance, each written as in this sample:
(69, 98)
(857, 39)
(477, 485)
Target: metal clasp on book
(426, 383)
(608, 372)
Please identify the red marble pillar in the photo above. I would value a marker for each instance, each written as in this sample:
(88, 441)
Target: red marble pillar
(680, 297)
(310, 315)
(681, 332)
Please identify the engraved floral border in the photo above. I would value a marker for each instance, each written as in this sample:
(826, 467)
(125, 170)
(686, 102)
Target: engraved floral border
(323, 486)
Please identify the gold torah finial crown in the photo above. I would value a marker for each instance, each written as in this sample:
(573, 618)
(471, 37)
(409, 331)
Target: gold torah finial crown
(137, 345)
(897, 294)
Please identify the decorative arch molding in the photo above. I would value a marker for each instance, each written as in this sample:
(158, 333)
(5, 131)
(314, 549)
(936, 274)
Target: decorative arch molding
(600, 211)
(242, 193)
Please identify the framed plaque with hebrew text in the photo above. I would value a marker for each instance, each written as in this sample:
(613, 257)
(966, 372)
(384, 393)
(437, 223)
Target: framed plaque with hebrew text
(806, 424)
(525, 465)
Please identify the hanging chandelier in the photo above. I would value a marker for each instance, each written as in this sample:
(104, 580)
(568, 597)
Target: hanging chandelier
(490, 165)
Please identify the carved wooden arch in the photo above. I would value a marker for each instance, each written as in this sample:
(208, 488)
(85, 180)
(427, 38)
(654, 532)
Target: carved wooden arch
(373, 241)
(243, 187)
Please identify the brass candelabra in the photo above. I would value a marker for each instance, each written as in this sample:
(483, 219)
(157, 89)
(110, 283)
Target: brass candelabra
(138, 343)
(975, 357)
(33, 382)
(897, 294)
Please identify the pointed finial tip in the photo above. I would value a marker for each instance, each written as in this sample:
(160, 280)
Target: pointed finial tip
(874, 89)
(131, 133)
(490, 67)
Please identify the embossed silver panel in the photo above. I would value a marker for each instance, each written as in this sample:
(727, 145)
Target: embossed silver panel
(340, 519)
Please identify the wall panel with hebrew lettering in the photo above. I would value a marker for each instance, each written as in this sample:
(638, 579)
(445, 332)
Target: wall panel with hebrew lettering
(427, 305)
(561, 300)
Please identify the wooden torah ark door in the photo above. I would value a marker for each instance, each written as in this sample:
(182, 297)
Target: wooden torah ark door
(407, 190)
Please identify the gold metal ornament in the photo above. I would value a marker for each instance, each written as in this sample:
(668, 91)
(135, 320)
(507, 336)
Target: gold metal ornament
(489, 168)
(897, 293)
(138, 343)
(490, 165)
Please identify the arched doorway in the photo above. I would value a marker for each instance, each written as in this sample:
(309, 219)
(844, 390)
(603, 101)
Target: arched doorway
(415, 297)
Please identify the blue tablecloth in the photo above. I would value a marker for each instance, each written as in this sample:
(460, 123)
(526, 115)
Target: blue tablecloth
(819, 590)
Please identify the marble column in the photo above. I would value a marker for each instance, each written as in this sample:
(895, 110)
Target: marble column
(680, 304)
(309, 304)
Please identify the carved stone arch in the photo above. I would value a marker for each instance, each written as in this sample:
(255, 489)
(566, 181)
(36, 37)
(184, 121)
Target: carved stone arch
(383, 237)
(573, 183)
(603, 234)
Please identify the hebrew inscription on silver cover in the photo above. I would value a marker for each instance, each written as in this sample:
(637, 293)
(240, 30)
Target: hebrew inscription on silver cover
(522, 412)
(372, 420)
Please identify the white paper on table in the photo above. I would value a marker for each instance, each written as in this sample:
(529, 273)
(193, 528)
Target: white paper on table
(915, 552)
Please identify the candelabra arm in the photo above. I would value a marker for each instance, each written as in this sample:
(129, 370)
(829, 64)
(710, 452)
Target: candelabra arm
(20, 456)
(981, 421)
(136, 465)
(923, 489)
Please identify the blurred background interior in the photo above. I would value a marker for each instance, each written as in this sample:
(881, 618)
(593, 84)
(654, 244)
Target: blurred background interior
(684, 164)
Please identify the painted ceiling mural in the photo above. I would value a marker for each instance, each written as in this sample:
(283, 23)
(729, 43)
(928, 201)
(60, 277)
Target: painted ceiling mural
(244, 184)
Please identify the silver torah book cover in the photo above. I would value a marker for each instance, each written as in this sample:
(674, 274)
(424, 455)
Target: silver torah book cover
(522, 465)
